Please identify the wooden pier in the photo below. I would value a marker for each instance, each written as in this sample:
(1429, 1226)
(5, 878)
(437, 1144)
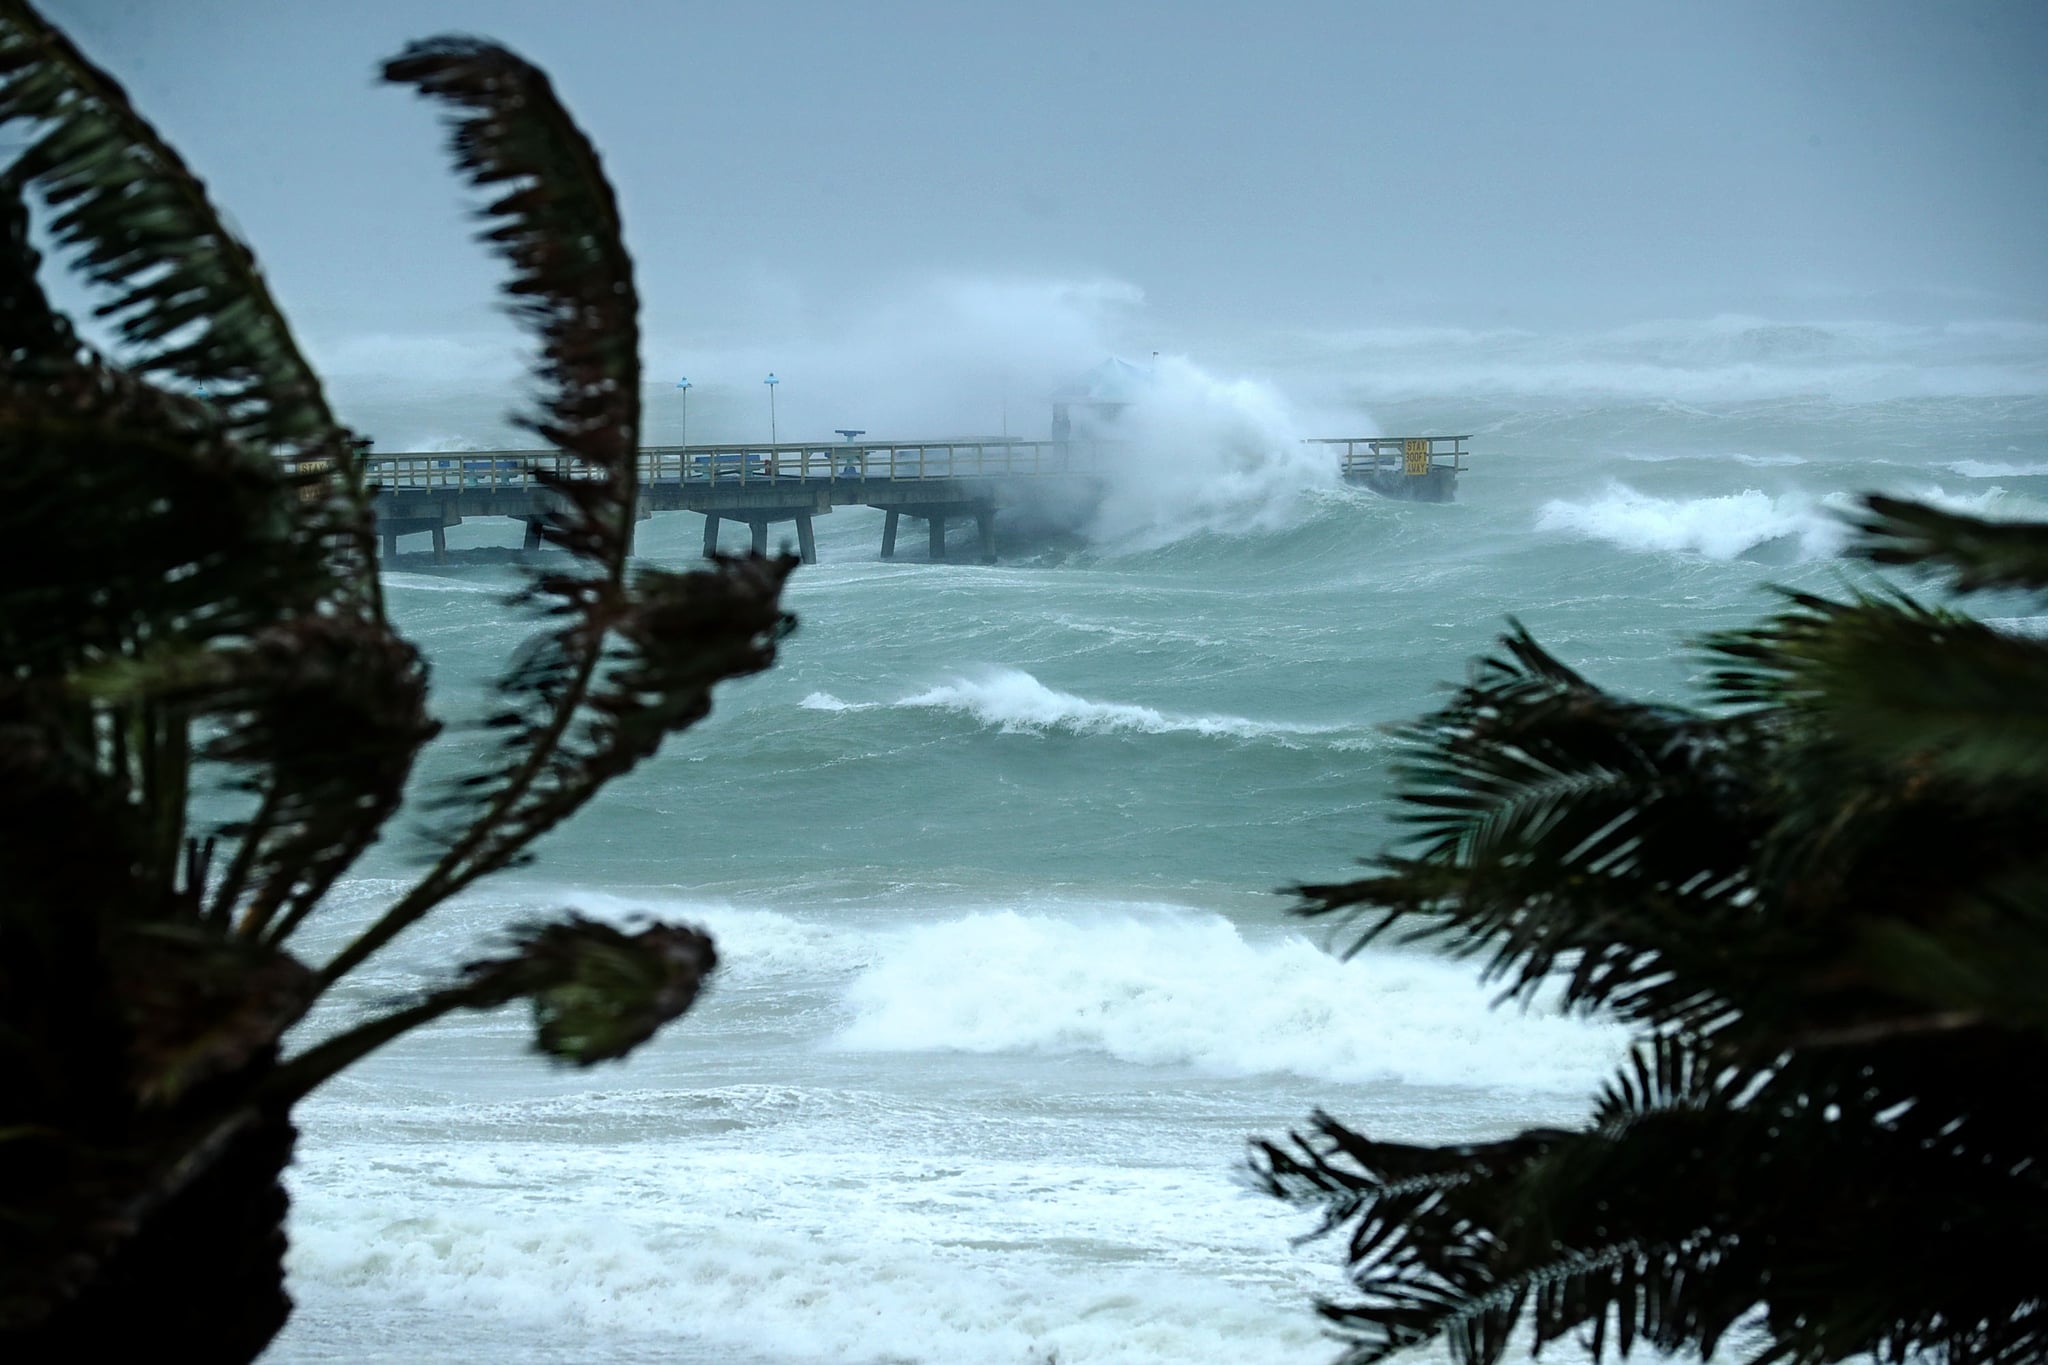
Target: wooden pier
(1412, 468)
(938, 482)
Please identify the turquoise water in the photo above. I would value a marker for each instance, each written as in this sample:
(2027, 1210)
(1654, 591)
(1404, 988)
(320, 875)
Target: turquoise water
(991, 857)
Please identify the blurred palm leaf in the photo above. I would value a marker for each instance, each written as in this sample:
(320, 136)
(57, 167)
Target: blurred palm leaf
(188, 299)
(625, 661)
(1823, 903)
(188, 586)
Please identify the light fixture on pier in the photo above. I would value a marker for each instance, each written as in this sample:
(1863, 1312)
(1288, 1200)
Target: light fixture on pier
(771, 381)
(683, 388)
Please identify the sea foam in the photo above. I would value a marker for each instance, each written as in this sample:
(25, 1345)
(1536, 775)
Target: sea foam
(1995, 469)
(1013, 701)
(1722, 527)
(1190, 989)
(796, 1254)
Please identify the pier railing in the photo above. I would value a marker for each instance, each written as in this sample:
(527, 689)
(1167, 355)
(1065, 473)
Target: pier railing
(892, 462)
(897, 462)
(1409, 455)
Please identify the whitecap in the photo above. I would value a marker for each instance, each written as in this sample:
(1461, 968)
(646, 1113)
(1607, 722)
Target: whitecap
(1015, 702)
(1190, 989)
(1725, 526)
(1996, 469)
(419, 582)
(825, 701)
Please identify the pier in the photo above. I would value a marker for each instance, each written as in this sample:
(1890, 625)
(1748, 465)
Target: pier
(1411, 468)
(940, 483)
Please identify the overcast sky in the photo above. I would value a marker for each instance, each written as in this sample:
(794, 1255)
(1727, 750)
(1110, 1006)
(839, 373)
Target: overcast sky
(783, 167)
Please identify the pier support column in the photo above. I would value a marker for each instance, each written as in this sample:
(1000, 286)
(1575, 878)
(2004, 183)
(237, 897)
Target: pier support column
(532, 539)
(937, 522)
(760, 537)
(710, 534)
(806, 540)
(390, 545)
(440, 545)
(985, 522)
(889, 533)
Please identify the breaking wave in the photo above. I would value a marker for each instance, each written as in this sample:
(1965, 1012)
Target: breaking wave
(1724, 527)
(1014, 702)
(1189, 989)
(1997, 469)
(1200, 454)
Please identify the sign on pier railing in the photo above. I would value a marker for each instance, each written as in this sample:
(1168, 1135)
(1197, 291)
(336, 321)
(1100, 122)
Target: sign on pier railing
(1412, 456)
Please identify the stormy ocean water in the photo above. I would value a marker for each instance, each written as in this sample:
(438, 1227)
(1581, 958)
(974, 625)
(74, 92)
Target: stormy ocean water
(990, 856)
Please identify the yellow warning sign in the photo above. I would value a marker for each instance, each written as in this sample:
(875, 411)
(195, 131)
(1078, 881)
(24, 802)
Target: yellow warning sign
(1415, 455)
(315, 490)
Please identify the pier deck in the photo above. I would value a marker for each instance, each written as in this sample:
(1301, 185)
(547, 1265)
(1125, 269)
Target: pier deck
(935, 481)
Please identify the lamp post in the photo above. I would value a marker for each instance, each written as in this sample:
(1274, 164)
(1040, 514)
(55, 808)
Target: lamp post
(683, 388)
(771, 381)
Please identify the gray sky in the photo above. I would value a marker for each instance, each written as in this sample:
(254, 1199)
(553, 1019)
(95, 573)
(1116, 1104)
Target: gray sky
(789, 169)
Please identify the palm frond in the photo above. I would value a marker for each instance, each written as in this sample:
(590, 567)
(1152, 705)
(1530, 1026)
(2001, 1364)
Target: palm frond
(556, 223)
(674, 638)
(1695, 1201)
(1905, 685)
(130, 526)
(140, 522)
(626, 662)
(179, 609)
(32, 333)
(1821, 903)
(597, 993)
(321, 717)
(1564, 832)
(1975, 956)
(1974, 553)
(189, 302)
(127, 521)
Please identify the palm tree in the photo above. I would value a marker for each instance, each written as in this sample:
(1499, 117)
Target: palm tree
(1821, 901)
(189, 600)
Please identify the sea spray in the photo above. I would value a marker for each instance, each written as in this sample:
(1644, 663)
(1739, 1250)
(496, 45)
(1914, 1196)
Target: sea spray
(943, 357)
(1197, 453)
(1726, 526)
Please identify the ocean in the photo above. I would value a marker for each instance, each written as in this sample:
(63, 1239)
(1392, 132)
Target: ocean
(992, 857)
